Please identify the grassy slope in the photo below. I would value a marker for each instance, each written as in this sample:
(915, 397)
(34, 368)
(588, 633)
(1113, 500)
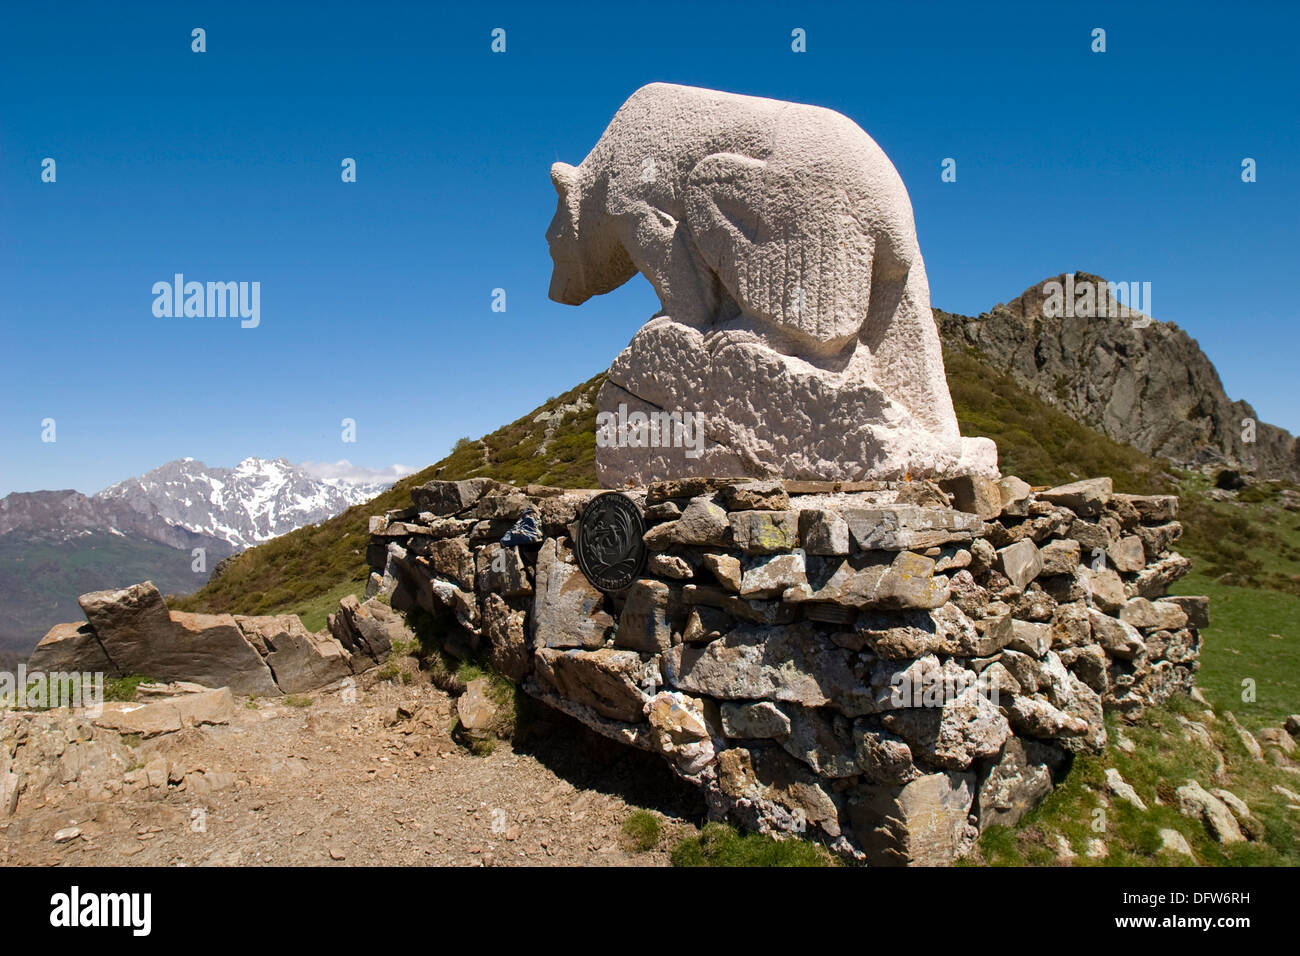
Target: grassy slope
(1162, 761)
(292, 572)
(1250, 543)
(1256, 543)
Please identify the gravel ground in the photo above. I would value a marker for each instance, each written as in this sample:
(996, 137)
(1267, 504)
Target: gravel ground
(375, 781)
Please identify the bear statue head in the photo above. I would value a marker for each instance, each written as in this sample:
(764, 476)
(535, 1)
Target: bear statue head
(586, 258)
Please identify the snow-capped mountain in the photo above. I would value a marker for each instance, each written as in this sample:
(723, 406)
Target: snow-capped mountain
(253, 502)
(55, 545)
(186, 504)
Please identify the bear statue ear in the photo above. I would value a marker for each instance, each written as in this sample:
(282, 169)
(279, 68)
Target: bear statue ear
(562, 176)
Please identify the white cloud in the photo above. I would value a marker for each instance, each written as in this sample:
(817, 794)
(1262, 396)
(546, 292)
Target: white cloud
(344, 470)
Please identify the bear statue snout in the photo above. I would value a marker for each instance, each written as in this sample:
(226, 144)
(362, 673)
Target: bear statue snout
(564, 287)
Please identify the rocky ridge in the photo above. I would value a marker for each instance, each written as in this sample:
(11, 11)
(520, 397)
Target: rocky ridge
(1140, 381)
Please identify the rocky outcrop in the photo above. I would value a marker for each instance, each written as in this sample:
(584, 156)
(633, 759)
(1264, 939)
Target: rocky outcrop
(65, 757)
(863, 661)
(131, 631)
(1144, 383)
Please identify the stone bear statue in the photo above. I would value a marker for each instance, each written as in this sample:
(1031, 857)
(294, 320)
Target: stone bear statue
(796, 321)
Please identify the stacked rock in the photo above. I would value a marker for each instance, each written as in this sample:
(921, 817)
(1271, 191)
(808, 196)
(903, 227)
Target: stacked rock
(893, 666)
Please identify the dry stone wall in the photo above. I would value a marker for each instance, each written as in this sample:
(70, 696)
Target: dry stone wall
(888, 666)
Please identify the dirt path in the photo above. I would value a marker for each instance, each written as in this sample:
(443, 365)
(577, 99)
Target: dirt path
(376, 781)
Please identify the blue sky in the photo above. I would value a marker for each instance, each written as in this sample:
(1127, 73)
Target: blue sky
(376, 296)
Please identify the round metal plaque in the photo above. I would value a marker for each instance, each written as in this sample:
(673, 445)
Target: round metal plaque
(609, 548)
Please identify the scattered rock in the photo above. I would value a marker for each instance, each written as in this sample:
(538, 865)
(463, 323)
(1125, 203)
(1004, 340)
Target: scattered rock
(1116, 785)
(1277, 737)
(1175, 842)
(1250, 826)
(1195, 802)
(1289, 795)
(476, 709)
(1247, 738)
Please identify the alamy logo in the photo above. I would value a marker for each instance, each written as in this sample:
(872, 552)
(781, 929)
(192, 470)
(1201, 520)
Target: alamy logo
(212, 300)
(1084, 299)
(37, 690)
(74, 908)
(661, 429)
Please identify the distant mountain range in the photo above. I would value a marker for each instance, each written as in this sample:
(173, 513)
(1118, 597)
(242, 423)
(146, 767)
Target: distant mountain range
(55, 545)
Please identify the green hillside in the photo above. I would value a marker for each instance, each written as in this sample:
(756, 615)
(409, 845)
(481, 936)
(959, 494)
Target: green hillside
(308, 569)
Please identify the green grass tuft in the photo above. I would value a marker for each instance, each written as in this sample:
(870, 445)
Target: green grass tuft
(125, 688)
(643, 831)
(719, 844)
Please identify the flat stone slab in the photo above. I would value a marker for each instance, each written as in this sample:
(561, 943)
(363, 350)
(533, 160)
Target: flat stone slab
(790, 662)
(909, 527)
